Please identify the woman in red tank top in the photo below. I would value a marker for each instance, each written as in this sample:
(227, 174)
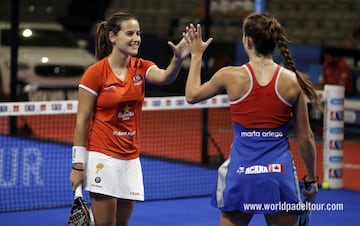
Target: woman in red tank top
(261, 34)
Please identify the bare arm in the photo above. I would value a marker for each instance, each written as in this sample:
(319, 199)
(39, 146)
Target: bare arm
(86, 104)
(305, 138)
(168, 75)
(194, 90)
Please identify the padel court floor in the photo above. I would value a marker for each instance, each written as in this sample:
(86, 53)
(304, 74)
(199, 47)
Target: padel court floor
(197, 212)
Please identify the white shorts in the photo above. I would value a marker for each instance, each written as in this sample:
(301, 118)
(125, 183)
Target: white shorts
(114, 177)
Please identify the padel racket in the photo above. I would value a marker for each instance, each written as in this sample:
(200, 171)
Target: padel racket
(305, 215)
(80, 214)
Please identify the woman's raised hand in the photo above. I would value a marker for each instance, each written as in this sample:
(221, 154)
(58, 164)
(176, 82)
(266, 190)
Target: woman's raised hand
(193, 37)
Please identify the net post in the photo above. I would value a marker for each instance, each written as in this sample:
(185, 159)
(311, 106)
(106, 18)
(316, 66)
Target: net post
(14, 48)
(14, 59)
(13, 126)
(333, 135)
(204, 136)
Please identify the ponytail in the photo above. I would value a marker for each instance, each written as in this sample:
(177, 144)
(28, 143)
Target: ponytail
(103, 46)
(304, 81)
(278, 35)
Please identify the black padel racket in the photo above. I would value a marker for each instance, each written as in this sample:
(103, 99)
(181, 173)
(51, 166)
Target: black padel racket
(305, 215)
(80, 214)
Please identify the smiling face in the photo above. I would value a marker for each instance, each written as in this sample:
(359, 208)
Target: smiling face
(128, 39)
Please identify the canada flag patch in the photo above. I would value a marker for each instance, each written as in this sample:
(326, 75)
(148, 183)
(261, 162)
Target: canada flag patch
(276, 168)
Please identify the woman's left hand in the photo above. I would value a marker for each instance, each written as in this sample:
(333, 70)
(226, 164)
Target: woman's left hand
(181, 50)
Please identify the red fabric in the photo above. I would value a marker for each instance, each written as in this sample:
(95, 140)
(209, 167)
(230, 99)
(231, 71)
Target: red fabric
(262, 108)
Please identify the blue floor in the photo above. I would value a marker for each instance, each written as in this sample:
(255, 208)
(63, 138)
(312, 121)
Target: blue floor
(196, 212)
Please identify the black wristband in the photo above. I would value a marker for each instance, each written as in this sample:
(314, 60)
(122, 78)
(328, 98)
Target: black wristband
(77, 169)
(310, 181)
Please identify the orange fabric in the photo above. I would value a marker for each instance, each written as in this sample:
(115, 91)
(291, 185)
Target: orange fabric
(116, 121)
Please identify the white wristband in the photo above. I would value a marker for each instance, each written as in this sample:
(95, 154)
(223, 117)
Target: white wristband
(78, 154)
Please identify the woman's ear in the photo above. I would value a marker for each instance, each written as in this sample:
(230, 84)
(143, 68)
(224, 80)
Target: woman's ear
(112, 36)
(246, 42)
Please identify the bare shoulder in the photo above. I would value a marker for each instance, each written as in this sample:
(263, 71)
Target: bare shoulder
(230, 71)
(288, 78)
(288, 74)
(235, 79)
(288, 86)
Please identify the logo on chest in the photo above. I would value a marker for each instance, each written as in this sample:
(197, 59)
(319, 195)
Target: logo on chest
(126, 113)
(137, 80)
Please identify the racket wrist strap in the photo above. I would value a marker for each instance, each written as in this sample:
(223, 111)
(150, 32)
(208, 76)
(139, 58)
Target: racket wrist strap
(78, 154)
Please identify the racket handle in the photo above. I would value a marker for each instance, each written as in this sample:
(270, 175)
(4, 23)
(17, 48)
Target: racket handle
(308, 187)
(78, 191)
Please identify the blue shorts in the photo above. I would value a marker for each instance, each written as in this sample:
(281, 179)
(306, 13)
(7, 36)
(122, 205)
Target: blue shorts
(259, 171)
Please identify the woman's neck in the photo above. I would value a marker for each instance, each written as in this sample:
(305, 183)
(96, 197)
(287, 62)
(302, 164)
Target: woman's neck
(261, 60)
(118, 60)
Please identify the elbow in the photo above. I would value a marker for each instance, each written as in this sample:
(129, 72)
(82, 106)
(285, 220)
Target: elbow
(190, 100)
(190, 97)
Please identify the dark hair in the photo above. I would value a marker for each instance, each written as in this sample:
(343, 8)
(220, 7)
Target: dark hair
(267, 33)
(103, 46)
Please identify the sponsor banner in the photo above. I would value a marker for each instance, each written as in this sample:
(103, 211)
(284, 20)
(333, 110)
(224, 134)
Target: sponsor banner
(334, 115)
(70, 106)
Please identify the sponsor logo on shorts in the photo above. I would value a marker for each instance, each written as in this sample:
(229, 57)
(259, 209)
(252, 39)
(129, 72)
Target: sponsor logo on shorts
(258, 169)
(99, 167)
(97, 180)
(133, 193)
